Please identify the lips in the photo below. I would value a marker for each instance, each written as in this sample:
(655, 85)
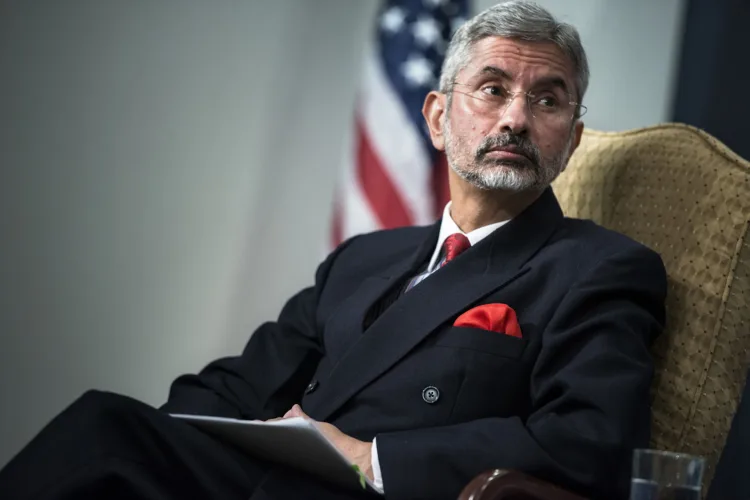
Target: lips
(509, 152)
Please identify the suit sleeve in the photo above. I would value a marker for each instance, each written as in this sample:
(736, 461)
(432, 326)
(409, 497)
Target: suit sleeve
(271, 373)
(589, 395)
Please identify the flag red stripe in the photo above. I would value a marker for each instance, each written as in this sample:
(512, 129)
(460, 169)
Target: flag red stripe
(382, 195)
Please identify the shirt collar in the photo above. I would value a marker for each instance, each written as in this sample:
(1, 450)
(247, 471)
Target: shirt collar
(448, 226)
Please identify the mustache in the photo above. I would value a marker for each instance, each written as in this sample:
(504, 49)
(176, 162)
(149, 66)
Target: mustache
(522, 144)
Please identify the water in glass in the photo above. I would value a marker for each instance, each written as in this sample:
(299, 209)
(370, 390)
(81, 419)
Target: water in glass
(642, 489)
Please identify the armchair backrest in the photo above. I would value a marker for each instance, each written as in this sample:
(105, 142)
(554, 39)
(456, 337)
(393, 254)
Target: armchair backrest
(681, 192)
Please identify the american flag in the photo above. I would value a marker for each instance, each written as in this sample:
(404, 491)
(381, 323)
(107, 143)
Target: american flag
(392, 175)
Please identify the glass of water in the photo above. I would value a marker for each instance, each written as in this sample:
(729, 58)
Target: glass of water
(663, 475)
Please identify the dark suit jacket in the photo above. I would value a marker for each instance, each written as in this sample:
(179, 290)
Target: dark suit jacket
(567, 402)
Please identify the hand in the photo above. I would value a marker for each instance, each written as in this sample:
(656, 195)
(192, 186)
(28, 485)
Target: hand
(357, 452)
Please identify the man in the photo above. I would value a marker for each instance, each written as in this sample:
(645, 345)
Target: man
(503, 336)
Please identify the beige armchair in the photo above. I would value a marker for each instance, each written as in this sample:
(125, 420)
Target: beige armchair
(686, 195)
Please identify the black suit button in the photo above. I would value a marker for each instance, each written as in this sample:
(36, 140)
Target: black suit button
(430, 394)
(311, 387)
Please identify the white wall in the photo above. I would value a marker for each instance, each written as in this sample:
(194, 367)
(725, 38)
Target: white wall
(149, 152)
(166, 170)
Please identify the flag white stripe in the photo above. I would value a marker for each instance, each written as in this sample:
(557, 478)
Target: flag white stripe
(356, 215)
(395, 141)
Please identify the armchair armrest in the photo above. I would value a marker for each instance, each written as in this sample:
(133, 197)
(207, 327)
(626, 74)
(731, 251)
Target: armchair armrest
(501, 484)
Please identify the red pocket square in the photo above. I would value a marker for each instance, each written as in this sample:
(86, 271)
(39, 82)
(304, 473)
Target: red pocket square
(499, 318)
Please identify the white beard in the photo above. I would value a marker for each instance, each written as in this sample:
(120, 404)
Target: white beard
(507, 175)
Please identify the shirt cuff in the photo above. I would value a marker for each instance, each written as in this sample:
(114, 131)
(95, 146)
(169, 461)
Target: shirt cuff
(376, 474)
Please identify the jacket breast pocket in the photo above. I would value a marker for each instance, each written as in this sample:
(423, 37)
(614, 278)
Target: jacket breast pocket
(477, 339)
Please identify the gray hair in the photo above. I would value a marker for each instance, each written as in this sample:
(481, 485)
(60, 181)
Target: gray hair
(516, 19)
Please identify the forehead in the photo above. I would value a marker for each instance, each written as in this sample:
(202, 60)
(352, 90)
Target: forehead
(521, 59)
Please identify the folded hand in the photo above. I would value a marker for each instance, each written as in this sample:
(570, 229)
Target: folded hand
(357, 452)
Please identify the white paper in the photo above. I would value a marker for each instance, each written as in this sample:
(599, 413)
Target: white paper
(295, 442)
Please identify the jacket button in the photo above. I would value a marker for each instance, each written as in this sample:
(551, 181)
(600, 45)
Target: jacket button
(311, 387)
(430, 394)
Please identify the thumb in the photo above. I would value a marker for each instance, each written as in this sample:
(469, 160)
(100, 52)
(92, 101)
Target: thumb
(295, 411)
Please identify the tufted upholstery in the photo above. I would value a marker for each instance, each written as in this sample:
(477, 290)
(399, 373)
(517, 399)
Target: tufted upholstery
(684, 194)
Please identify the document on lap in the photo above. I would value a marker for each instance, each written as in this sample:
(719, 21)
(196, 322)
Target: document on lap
(294, 442)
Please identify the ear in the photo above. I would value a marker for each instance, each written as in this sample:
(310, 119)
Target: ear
(434, 111)
(578, 133)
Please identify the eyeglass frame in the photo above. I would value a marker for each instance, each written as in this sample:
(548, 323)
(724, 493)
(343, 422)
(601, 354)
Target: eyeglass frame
(577, 106)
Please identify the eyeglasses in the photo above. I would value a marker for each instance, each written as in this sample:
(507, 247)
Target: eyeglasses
(553, 107)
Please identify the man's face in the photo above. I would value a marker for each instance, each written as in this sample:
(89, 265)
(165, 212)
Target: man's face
(495, 140)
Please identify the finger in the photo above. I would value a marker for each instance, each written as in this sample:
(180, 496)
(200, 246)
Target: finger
(295, 411)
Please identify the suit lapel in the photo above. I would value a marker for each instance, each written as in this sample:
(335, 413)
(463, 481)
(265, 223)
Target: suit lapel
(373, 290)
(485, 267)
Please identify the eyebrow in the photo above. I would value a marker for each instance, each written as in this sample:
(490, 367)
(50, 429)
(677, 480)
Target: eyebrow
(495, 71)
(554, 81)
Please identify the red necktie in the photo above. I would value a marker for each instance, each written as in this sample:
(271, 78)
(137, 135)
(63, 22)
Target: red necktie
(454, 245)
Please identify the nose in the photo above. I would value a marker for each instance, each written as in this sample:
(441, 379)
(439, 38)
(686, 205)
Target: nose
(515, 118)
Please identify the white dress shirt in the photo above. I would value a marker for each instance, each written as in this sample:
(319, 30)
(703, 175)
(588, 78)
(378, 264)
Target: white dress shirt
(447, 227)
